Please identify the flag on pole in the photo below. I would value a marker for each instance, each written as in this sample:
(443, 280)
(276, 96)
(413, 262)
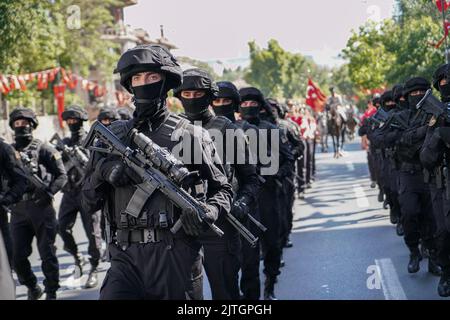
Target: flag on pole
(314, 97)
(439, 4)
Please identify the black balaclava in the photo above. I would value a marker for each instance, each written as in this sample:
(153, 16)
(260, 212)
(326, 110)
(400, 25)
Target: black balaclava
(415, 84)
(76, 130)
(23, 136)
(250, 113)
(75, 127)
(226, 110)
(443, 72)
(149, 100)
(445, 92)
(197, 108)
(414, 100)
(403, 103)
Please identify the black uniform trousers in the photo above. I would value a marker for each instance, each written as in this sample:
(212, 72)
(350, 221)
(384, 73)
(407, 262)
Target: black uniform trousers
(371, 165)
(441, 208)
(300, 164)
(29, 220)
(417, 210)
(70, 206)
(309, 160)
(286, 206)
(393, 177)
(270, 217)
(250, 259)
(151, 271)
(221, 263)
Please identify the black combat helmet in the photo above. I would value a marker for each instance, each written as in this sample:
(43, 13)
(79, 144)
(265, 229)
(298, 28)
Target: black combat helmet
(414, 84)
(442, 72)
(197, 79)
(149, 57)
(251, 94)
(23, 113)
(75, 112)
(227, 90)
(108, 113)
(385, 98)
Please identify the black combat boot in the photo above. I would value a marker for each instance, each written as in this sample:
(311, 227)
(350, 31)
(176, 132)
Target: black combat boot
(269, 287)
(393, 216)
(34, 293)
(288, 243)
(414, 260)
(433, 266)
(50, 295)
(380, 196)
(399, 230)
(80, 261)
(444, 283)
(92, 280)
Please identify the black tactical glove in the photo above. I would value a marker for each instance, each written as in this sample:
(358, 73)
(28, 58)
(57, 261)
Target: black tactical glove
(115, 173)
(240, 208)
(212, 213)
(192, 223)
(42, 197)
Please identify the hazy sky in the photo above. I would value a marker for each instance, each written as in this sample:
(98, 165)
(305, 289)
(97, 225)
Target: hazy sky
(211, 29)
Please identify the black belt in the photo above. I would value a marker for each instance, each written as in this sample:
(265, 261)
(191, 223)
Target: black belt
(411, 167)
(125, 237)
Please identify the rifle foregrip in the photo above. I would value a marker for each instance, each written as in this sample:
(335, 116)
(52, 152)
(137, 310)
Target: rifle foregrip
(177, 226)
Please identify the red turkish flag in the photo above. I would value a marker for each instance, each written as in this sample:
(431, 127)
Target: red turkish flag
(314, 97)
(439, 4)
(58, 90)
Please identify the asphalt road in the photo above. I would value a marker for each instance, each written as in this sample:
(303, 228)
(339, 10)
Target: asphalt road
(344, 246)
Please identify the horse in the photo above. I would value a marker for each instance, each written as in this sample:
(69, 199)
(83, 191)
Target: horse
(323, 131)
(336, 128)
(351, 124)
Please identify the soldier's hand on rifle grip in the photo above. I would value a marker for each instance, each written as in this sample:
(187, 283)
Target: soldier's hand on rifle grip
(240, 209)
(192, 223)
(190, 180)
(115, 174)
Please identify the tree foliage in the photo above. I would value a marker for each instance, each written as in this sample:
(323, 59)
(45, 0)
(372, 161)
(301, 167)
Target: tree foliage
(390, 52)
(36, 35)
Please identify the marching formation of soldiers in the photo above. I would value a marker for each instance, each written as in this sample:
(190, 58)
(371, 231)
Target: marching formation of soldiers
(409, 141)
(224, 208)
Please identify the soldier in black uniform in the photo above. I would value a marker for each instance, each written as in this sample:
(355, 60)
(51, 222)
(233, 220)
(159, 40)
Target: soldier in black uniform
(293, 134)
(35, 216)
(435, 156)
(71, 201)
(147, 260)
(108, 115)
(12, 187)
(414, 193)
(383, 156)
(221, 255)
(226, 105)
(252, 100)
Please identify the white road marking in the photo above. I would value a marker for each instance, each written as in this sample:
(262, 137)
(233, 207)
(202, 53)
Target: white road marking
(392, 288)
(350, 166)
(360, 195)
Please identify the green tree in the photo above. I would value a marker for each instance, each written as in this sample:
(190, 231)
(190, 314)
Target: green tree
(35, 36)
